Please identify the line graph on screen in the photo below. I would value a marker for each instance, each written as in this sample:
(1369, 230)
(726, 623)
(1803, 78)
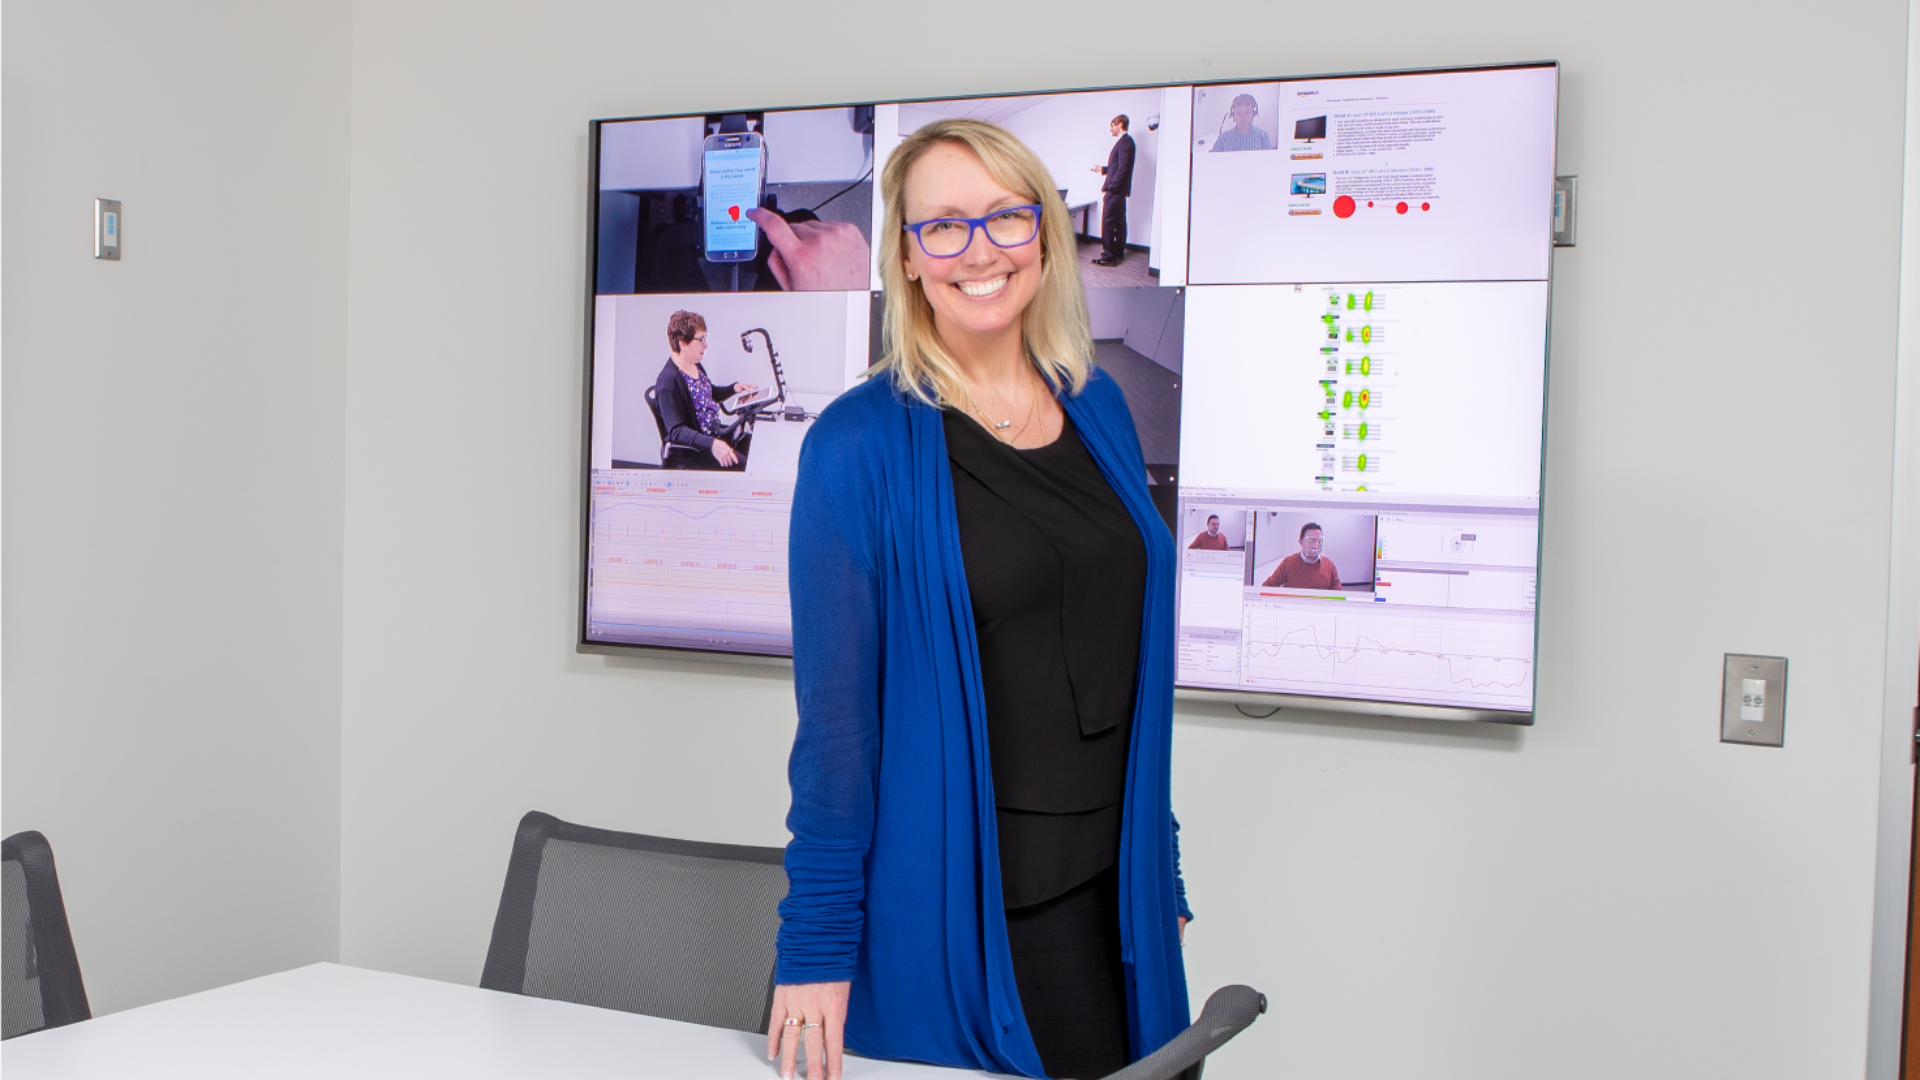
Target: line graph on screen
(674, 563)
(1341, 652)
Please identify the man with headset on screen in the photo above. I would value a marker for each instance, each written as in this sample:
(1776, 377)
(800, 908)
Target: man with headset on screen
(1114, 191)
(1210, 540)
(1307, 570)
(1243, 135)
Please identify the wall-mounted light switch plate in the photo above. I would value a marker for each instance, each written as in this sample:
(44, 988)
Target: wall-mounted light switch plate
(106, 229)
(1753, 700)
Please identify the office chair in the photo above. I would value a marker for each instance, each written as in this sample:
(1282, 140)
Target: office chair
(1226, 1014)
(643, 924)
(660, 425)
(41, 985)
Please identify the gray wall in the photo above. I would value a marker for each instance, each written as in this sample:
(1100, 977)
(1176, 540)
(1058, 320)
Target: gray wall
(1610, 893)
(174, 438)
(195, 697)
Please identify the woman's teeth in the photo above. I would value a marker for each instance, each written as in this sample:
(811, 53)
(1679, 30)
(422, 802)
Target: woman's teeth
(982, 288)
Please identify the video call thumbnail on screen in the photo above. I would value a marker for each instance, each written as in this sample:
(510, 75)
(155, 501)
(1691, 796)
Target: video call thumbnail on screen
(1329, 309)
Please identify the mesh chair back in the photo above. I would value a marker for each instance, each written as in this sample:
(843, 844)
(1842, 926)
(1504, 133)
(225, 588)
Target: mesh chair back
(40, 986)
(659, 423)
(642, 924)
(1226, 1014)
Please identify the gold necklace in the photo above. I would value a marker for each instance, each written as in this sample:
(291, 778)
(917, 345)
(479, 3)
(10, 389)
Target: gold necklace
(999, 427)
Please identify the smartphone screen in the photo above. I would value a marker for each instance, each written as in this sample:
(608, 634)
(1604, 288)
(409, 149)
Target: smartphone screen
(732, 186)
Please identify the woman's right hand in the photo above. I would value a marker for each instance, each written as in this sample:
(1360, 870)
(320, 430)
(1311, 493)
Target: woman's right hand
(724, 454)
(819, 1015)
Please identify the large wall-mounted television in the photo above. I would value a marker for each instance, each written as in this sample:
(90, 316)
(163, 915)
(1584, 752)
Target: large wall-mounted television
(1331, 328)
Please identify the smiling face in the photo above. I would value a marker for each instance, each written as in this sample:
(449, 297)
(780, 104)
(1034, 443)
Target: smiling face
(1310, 543)
(983, 292)
(1243, 117)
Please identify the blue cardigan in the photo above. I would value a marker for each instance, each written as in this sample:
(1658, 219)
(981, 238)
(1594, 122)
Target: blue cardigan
(893, 871)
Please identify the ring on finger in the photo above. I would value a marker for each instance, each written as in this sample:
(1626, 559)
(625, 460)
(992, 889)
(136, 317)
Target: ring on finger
(810, 1025)
(792, 1021)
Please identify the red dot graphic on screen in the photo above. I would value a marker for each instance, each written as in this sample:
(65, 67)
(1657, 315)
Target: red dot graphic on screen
(1369, 204)
(1401, 209)
(733, 212)
(1426, 206)
(1343, 206)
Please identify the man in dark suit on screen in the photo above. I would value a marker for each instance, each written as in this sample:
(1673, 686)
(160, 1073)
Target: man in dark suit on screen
(1114, 191)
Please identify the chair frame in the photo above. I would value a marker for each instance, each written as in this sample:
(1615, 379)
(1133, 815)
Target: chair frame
(506, 967)
(63, 995)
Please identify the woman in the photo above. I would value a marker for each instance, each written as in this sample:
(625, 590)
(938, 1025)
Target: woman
(983, 651)
(690, 403)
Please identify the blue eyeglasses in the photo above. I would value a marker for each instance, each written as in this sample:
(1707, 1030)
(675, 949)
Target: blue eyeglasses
(943, 238)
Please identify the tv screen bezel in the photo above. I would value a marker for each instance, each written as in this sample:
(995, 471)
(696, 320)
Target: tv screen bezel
(1241, 699)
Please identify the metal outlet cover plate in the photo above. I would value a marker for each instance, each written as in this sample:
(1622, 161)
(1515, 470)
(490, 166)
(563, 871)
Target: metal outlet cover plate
(1753, 700)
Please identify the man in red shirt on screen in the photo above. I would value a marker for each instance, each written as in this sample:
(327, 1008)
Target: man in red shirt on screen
(1211, 540)
(1307, 570)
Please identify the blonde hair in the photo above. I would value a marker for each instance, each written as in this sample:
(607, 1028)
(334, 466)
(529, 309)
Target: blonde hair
(1054, 327)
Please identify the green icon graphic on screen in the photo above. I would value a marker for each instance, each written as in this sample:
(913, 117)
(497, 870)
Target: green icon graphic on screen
(1333, 299)
(1366, 365)
(1329, 319)
(1346, 400)
(1369, 300)
(1365, 397)
(1349, 333)
(1366, 334)
(1350, 301)
(1363, 463)
(1363, 431)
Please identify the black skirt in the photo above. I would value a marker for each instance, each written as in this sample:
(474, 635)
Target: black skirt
(1066, 962)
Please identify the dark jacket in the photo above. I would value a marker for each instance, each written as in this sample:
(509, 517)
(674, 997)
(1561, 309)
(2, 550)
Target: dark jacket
(1119, 171)
(677, 417)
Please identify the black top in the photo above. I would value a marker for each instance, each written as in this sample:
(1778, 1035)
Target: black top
(677, 414)
(1057, 574)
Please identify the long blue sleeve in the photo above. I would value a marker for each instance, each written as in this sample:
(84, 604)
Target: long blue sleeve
(837, 656)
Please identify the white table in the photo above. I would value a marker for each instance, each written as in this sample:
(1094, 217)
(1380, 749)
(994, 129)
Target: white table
(332, 1021)
(776, 446)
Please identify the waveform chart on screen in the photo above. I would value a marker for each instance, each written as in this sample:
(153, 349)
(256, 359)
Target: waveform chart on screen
(690, 563)
(1358, 650)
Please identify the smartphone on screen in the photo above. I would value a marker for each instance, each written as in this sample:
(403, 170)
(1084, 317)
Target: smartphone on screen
(733, 177)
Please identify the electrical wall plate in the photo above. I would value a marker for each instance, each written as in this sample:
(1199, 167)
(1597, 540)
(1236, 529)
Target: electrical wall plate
(106, 229)
(1753, 700)
(1564, 189)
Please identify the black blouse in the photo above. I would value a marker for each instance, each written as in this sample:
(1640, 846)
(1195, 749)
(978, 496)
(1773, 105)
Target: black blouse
(1057, 572)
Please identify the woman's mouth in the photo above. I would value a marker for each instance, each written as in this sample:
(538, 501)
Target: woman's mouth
(986, 287)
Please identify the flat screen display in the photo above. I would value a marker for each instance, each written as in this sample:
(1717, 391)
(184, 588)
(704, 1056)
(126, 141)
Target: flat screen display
(1330, 324)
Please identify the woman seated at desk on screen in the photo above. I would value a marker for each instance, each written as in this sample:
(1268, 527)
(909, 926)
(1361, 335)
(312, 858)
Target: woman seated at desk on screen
(690, 403)
(983, 872)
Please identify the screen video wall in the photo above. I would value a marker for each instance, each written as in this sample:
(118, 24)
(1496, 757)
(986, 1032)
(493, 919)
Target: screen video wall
(1328, 316)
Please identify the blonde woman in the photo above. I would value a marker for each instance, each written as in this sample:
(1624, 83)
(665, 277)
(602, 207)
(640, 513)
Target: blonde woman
(983, 870)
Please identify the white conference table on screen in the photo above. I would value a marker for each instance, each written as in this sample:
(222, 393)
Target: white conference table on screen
(776, 446)
(332, 1021)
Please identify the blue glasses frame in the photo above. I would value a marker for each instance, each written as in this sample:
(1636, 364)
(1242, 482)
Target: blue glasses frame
(974, 225)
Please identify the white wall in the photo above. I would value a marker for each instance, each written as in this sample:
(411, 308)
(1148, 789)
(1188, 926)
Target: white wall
(1612, 893)
(173, 480)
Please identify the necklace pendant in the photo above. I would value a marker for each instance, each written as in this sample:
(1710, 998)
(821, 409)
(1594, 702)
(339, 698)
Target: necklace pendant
(1002, 425)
